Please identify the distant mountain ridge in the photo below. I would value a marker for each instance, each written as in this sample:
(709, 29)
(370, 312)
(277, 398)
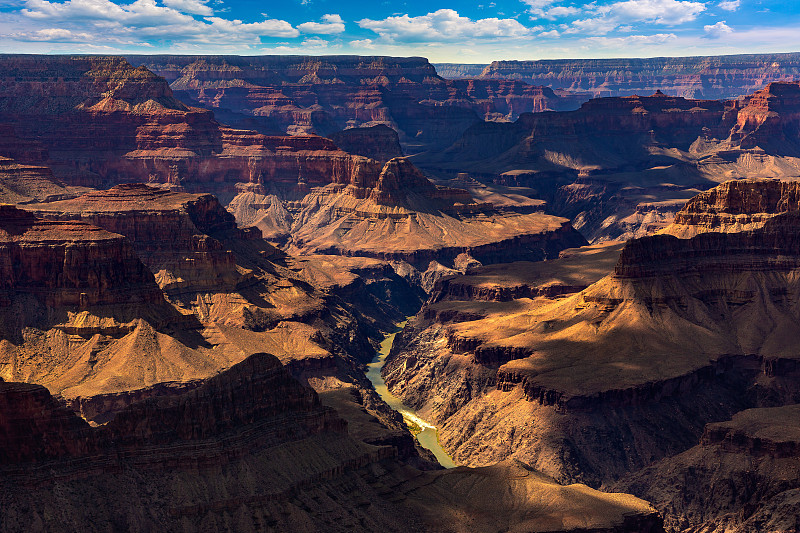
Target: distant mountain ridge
(701, 77)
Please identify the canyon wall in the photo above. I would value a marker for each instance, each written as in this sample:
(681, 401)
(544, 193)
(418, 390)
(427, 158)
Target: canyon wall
(709, 77)
(589, 370)
(638, 159)
(306, 94)
(253, 450)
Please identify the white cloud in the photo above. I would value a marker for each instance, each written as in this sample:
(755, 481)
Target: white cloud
(718, 30)
(330, 25)
(196, 7)
(443, 25)
(363, 43)
(620, 14)
(560, 11)
(593, 26)
(145, 19)
(668, 12)
(59, 35)
(552, 34)
(729, 5)
(633, 40)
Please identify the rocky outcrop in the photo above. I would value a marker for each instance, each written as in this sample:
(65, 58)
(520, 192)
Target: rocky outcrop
(682, 333)
(251, 448)
(376, 142)
(69, 264)
(711, 77)
(191, 260)
(735, 206)
(22, 184)
(742, 477)
(638, 158)
(326, 94)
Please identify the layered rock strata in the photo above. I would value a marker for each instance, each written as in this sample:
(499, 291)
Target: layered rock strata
(711, 77)
(22, 184)
(742, 477)
(298, 94)
(605, 380)
(252, 449)
(191, 260)
(401, 216)
(638, 157)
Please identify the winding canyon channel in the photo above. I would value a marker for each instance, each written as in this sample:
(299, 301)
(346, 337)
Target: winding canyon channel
(428, 437)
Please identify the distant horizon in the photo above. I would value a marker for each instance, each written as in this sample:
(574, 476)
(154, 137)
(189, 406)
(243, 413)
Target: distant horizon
(437, 30)
(432, 62)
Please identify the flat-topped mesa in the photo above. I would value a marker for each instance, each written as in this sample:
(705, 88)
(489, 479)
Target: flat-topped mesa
(376, 142)
(215, 71)
(188, 258)
(65, 263)
(734, 206)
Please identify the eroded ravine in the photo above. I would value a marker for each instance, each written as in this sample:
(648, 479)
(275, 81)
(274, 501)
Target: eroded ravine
(427, 435)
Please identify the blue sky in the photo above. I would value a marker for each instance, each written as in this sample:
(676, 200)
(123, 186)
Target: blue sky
(443, 31)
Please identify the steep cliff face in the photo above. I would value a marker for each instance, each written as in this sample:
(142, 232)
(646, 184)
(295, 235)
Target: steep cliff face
(252, 449)
(376, 142)
(742, 477)
(618, 374)
(326, 94)
(638, 157)
(712, 77)
(735, 206)
(69, 264)
(191, 260)
(112, 123)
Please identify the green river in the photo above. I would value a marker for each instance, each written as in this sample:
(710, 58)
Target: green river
(428, 437)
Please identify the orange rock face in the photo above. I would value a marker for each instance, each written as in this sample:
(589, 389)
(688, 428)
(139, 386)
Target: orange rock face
(69, 263)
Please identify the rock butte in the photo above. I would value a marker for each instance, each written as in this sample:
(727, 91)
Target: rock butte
(681, 332)
(639, 157)
(741, 477)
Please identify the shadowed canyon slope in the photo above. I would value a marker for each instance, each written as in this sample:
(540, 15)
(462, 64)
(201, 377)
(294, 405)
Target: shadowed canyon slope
(402, 216)
(712, 77)
(306, 94)
(742, 477)
(588, 370)
(623, 166)
(253, 450)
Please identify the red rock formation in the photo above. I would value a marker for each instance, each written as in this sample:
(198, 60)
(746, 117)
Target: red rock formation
(712, 77)
(376, 142)
(191, 260)
(21, 184)
(326, 94)
(69, 263)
